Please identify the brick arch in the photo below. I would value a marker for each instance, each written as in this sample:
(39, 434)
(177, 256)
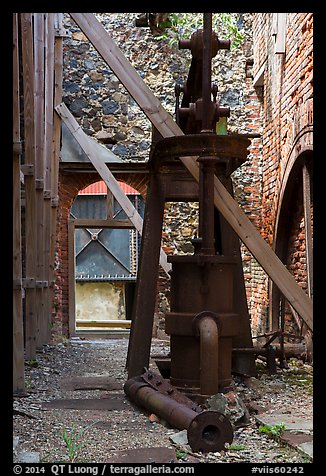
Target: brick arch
(138, 181)
(289, 236)
(69, 186)
(302, 145)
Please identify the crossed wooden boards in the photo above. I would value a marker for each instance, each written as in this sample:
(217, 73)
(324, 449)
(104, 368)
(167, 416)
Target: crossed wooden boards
(164, 123)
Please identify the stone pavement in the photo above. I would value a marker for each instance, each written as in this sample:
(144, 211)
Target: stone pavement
(298, 432)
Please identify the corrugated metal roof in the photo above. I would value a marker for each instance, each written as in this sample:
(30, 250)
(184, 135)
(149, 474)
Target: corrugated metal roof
(100, 188)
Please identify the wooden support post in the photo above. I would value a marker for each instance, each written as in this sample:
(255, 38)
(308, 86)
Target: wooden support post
(274, 322)
(18, 330)
(147, 278)
(110, 204)
(58, 75)
(106, 175)
(30, 209)
(48, 162)
(39, 169)
(165, 124)
(308, 227)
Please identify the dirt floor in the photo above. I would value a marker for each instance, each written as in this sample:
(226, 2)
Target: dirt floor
(127, 433)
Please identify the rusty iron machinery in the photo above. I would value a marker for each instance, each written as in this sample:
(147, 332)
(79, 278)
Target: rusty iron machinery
(202, 320)
(197, 113)
(207, 430)
(208, 314)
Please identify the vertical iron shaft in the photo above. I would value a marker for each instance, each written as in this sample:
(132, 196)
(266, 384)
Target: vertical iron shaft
(207, 73)
(206, 177)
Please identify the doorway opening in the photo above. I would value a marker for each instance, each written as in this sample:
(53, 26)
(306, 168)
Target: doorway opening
(103, 254)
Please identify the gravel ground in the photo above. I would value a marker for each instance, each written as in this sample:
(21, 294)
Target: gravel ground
(40, 429)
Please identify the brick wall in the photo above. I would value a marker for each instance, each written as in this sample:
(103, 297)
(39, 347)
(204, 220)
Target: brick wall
(286, 130)
(247, 181)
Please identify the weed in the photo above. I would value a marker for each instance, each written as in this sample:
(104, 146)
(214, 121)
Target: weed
(73, 440)
(275, 431)
(182, 25)
(236, 447)
(31, 363)
(180, 454)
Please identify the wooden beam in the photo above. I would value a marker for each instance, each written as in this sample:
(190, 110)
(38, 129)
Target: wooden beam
(109, 204)
(167, 127)
(38, 44)
(147, 279)
(100, 324)
(106, 174)
(308, 227)
(18, 330)
(108, 223)
(48, 96)
(30, 209)
(48, 164)
(56, 137)
(71, 278)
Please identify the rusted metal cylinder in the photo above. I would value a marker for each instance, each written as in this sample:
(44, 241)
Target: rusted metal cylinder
(195, 44)
(222, 111)
(207, 326)
(207, 431)
(212, 276)
(184, 44)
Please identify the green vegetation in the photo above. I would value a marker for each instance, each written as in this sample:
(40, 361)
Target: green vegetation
(182, 25)
(236, 447)
(31, 363)
(180, 454)
(73, 440)
(275, 431)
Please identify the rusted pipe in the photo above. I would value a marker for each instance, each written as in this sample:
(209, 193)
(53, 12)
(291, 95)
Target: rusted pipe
(206, 327)
(290, 349)
(206, 431)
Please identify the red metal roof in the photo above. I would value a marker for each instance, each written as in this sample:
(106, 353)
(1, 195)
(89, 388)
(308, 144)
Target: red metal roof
(100, 188)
